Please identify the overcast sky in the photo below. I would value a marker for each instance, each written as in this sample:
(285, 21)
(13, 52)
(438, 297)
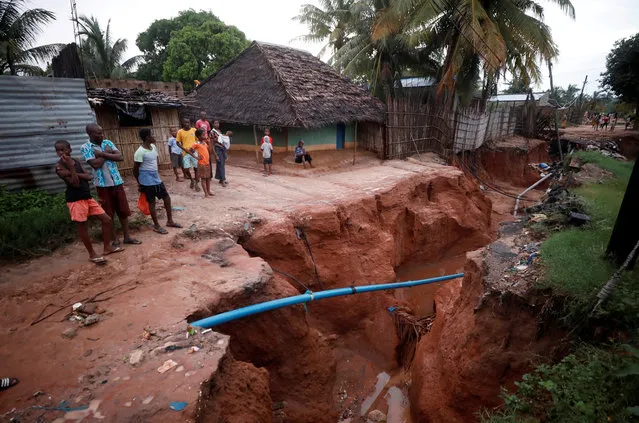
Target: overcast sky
(583, 43)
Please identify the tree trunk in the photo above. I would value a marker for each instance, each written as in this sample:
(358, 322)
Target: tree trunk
(626, 231)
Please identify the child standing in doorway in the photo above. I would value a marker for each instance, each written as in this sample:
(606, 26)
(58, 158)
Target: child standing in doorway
(267, 152)
(201, 147)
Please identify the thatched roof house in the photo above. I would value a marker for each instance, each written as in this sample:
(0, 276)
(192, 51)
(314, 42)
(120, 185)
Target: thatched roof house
(280, 87)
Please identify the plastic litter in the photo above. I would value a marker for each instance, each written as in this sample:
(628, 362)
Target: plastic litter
(193, 349)
(521, 267)
(206, 331)
(178, 405)
(177, 208)
(76, 306)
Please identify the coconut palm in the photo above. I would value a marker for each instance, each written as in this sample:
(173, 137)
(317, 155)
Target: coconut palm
(102, 56)
(498, 34)
(19, 28)
(331, 22)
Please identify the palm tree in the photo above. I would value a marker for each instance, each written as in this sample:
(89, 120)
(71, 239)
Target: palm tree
(102, 57)
(498, 34)
(19, 28)
(331, 22)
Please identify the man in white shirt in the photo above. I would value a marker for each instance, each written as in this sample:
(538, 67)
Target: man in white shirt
(267, 155)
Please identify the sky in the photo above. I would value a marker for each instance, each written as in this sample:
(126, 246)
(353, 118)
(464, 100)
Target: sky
(583, 43)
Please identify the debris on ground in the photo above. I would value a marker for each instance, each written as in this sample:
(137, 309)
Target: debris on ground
(178, 405)
(69, 333)
(136, 357)
(91, 320)
(578, 219)
(168, 365)
(376, 416)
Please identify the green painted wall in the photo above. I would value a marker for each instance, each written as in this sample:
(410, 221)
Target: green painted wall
(313, 136)
(244, 134)
(350, 132)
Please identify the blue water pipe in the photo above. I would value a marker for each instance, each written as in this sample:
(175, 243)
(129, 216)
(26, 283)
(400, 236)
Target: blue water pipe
(309, 296)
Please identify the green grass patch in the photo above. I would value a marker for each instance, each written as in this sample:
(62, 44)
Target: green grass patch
(33, 223)
(590, 386)
(573, 260)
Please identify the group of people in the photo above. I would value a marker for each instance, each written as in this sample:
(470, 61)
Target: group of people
(189, 148)
(600, 121)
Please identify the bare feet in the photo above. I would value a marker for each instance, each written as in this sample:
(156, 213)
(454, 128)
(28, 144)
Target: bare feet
(211, 194)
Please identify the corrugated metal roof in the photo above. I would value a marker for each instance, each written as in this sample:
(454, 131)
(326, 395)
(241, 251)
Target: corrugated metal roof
(417, 82)
(514, 97)
(35, 112)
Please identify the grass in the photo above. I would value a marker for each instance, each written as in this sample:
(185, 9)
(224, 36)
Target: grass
(33, 223)
(573, 260)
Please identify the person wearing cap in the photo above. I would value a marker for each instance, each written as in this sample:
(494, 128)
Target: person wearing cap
(301, 156)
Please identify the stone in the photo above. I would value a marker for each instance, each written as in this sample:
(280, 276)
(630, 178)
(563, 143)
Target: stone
(88, 352)
(136, 357)
(89, 308)
(92, 320)
(69, 333)
(376, 416)
(147, 400)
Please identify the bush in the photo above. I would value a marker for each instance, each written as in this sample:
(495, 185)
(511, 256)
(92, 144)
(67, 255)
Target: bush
(591, 385)
(33, 223)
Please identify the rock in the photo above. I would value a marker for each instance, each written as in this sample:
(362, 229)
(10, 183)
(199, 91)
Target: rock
(136, 357)
(147, 400)
(578, 219)
(69, 333)
(376, 416)
(89, 308)
(92, 320)
(88, 352)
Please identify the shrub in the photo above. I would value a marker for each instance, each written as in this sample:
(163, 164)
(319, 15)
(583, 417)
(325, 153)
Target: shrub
(32, 223)
(592, 385)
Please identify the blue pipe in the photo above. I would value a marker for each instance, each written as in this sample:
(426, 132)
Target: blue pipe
(308, 296)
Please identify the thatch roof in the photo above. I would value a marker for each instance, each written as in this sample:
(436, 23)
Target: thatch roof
(131, 96)
(271, 85)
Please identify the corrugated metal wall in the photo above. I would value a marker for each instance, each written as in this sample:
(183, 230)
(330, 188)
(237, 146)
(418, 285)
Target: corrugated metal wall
(34, 113)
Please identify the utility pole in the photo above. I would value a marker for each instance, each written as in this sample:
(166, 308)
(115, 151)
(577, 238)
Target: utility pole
(552, 91)
(581, 100)
(74, 22)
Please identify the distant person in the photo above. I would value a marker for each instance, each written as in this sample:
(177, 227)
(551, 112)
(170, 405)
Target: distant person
(201, 148)
(145, 170)
(267, 154)
(175, 153)
(629, 120)
(613, 121)
(606, 119)
(186, 138)
(101, 155)
(204, 124)
(267, 137)
(301, 156)
(81, 204)
(222, 145)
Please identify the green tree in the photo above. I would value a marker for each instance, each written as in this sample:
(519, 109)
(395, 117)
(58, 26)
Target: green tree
(493, 34)
(564, 96)
(102, 56)
(622, 70)
(191, 46)
(19, 28)
(517, 86)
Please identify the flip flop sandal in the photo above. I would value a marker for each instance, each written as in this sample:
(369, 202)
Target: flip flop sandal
(8, 382)
(132, 241)
(174, 225)
(116, 250)
(161, 231)
(98, 260)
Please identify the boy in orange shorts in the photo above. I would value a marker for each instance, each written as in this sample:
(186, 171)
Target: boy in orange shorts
(201, 147)
(81, 204)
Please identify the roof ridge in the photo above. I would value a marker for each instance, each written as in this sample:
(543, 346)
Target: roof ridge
(281, 80)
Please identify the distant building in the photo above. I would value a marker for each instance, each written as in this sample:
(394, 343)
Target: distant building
(288, 90)
(511, 100)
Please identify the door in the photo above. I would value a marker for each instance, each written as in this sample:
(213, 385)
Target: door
(341, 135)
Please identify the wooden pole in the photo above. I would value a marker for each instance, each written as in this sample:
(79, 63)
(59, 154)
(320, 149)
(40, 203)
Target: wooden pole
(581, 101)
(552, 91)
(355, 150)
(257, 155)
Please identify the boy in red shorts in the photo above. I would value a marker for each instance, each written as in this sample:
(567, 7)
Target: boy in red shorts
(81, 204)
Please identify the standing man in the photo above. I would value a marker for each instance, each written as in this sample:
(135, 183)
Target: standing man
(204, 124)
(186, 139)
(101, 155)
(145, 170)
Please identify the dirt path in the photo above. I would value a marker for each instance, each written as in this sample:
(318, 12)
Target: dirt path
(152, 287)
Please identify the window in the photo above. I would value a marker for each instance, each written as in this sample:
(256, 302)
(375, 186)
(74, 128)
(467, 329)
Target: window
(134, 115)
